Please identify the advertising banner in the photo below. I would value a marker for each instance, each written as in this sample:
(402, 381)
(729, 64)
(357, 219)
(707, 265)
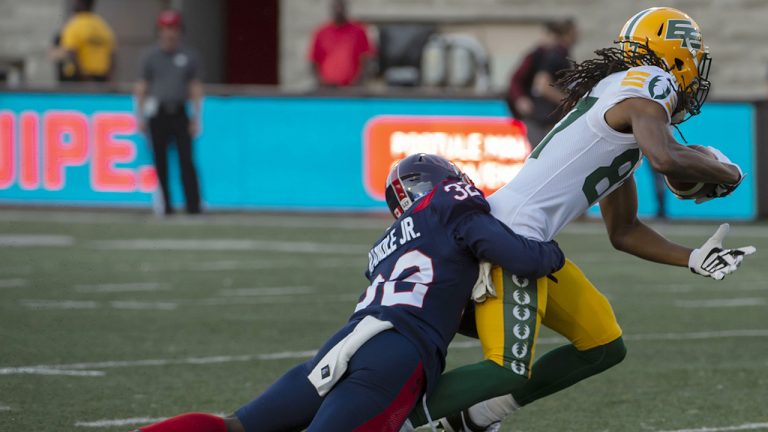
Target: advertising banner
(299, 153)
(490, 150)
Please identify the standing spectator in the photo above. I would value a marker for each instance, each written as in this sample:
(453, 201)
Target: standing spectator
(87, 43)
(169, 77)
(532, 96)
(340, 49)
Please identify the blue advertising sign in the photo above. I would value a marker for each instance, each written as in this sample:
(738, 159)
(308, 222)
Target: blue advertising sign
(291, 153)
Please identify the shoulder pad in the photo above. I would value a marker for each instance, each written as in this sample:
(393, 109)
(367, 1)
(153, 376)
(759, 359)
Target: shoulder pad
(452, 200)
(652, 83)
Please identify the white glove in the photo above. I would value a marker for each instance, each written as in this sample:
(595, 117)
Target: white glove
(484, 286)
(722, 189)
(711, 260)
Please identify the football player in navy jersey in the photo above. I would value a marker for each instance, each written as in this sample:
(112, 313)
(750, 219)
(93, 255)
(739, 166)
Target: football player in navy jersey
(372, 372)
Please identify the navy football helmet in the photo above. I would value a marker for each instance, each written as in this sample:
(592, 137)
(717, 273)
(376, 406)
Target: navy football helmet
(415, 176)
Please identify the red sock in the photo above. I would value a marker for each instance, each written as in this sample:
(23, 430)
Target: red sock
(192, 422)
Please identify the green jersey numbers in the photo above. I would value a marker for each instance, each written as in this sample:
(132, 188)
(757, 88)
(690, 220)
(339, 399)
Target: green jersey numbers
(579, 110)
(604, 178)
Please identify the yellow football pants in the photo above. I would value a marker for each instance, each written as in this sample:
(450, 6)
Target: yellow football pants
(567, 303)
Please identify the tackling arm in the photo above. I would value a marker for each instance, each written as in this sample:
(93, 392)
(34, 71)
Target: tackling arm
(490, 240)
(649, 123)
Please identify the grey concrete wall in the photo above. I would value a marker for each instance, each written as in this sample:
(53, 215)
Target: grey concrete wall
(735, 30)
(205, 23)
(133, 22)
(26, 33)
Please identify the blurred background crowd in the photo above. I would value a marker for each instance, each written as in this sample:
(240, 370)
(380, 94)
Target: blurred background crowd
(170, 53)
(426, 43)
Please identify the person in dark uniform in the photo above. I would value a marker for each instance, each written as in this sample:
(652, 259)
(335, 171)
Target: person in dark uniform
(372, 372)
(169, 77)
(532, 96)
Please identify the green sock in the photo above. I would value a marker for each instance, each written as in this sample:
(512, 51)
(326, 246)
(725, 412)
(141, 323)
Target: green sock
(565, 366)
(463, 387)
(556, 370)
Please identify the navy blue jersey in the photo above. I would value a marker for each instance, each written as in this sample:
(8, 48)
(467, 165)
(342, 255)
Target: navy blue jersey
(423, 269)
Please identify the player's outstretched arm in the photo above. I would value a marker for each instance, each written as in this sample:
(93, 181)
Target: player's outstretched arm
(649, 123)
(629, 234)
(490, 240)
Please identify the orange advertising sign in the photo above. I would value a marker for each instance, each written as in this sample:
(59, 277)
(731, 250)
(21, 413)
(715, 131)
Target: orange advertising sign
(490, 150)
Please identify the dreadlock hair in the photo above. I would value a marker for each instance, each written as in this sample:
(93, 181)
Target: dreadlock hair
(579, 80)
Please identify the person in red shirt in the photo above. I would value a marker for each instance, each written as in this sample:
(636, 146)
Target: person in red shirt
(339, 49)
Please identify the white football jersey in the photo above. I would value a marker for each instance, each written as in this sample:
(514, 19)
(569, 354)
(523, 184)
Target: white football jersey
(582, 159)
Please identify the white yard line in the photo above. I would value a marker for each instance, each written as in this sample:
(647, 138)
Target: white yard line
(121, 287)
(85, 369)
(743, 427)
(59, 304)
(126, 422)
(35, 240)
(307, 297)
(343, 222)
(137, 305)
(94, 368)
(207, 266)
(5, 408)
(13, 283)
(230, 245)
(721, 303)
(246, 264)
(741, 285)
(119, 422)
(43, 370)
(268, 291)
(232, 265)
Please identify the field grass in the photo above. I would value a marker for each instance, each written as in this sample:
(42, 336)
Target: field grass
(108, 316)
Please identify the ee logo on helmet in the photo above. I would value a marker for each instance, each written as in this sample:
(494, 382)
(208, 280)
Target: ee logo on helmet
(684, 31)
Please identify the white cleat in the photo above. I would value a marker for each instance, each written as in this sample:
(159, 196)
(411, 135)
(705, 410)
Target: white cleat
(462, 423)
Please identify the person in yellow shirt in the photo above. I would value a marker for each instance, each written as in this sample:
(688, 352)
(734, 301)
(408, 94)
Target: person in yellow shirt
(89, 42)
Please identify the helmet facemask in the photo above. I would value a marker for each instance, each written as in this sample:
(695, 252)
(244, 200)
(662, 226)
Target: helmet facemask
(697, 91)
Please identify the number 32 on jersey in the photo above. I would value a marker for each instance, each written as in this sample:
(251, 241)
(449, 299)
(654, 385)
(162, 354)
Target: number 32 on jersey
(418, 282)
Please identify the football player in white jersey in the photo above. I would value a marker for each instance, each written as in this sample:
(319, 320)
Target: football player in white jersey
(621, 106)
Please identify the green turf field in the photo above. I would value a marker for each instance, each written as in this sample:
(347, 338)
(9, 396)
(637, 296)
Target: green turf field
(107, 319)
